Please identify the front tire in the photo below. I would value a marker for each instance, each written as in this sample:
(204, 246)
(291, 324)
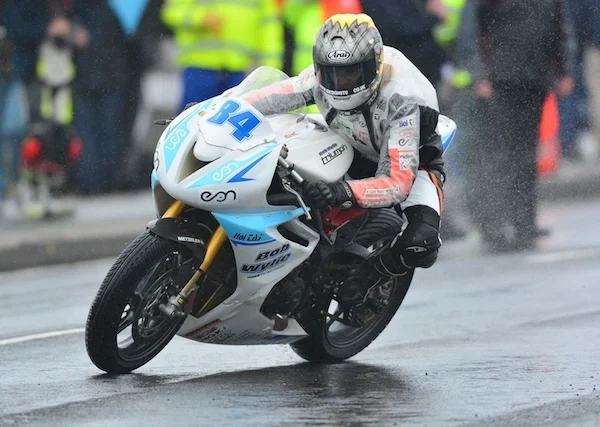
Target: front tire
(140, 279)
(325, 346)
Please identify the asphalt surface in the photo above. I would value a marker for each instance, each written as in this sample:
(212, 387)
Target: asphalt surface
(500, 340)
(102, 226)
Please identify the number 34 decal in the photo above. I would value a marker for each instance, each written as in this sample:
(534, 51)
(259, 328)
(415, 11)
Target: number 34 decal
(244, 122)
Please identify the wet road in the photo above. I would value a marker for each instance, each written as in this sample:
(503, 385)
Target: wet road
(480, 340)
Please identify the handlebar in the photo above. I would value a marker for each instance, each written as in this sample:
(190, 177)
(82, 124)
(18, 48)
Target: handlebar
(283, 199)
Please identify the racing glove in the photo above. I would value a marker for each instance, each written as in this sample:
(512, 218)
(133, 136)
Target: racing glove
(321, 194)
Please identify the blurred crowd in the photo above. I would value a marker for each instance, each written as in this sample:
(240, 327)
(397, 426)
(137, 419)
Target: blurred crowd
(499, 66)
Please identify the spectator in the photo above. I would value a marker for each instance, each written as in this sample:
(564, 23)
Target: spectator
(466, 110)
(592, 64)
(12, 119)
(574, 107)
(29, 22)
(101, 91)
(523, 50)
(408, 26)
(140, 22)
(220, 42)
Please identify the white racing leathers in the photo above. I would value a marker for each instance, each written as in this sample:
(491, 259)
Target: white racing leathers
(394, 129)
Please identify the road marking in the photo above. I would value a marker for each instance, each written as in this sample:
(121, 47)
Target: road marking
(41, 336)
(567, 255)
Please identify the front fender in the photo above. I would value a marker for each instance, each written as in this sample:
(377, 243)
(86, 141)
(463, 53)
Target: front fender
(186, 232)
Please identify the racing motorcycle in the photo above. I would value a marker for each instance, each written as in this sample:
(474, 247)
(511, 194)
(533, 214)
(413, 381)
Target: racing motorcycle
(235, 255)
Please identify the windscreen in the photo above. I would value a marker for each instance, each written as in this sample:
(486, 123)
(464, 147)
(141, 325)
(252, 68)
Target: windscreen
(271, 92)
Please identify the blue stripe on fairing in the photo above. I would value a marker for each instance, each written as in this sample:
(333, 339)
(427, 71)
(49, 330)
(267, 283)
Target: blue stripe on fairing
(256, 223)
(260, 242)
(210, 179)
(153, 179)
(176, 135)
(239, 177)
(448, 140)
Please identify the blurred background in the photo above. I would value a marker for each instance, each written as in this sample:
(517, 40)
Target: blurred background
(502, 331)
(81, 82)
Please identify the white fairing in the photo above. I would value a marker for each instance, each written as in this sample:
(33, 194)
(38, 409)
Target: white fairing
(318, 153)
(220, 156)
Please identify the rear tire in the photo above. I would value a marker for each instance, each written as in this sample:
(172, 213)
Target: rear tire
(127, 298)
(320, 347)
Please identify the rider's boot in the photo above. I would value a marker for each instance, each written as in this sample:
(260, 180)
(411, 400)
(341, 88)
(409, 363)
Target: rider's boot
(416, 246)
(369, 274)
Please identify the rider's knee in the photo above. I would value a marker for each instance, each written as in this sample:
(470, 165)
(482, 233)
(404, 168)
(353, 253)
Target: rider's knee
(419, 243)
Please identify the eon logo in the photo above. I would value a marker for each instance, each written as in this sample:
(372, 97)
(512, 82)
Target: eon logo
(338, 55)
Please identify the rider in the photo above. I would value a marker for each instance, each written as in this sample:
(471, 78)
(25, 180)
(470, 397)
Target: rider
(388, 111)
(384, 106)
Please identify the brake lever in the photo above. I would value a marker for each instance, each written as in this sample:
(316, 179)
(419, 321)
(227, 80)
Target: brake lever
(289, 189)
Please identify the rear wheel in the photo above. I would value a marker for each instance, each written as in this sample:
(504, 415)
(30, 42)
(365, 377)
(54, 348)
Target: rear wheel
(125, 328)
(332, 339)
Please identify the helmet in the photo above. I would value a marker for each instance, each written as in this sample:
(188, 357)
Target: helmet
(348, 60)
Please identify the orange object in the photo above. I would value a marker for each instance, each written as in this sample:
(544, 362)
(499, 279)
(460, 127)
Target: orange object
(331, 7)
(548, 157)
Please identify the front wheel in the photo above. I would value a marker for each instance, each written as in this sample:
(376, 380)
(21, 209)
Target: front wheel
(331, 340)
(125, 328)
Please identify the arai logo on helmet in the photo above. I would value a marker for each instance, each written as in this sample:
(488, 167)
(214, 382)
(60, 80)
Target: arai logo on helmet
(338, 55)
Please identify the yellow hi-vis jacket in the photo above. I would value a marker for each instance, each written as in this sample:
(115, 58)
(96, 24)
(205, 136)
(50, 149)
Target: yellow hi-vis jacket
(446, 32)
(249, 33)
(305, 18)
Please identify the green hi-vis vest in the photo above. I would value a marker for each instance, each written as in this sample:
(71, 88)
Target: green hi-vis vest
(305, 18)
(250, 33)
(446, 32)
(55, 69)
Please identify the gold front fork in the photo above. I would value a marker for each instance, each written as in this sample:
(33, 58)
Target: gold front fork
(174, 210)
(212, 249)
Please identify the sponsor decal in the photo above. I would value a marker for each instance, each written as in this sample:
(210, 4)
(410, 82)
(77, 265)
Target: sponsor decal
(268, 260)
(335, 92)
(250, 239)
(381, 103)
(290, 135)
(224, 171)
(359, 89)
(376, 193)
(189, 239)
(406, 160)
(408, 133)
(338, 55)
(203, 330)
(331, 152)
(406, 122)
(156, 160)
(175, 138)
(219, 196)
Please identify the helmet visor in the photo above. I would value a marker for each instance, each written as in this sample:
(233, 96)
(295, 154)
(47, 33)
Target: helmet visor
(345, 80)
